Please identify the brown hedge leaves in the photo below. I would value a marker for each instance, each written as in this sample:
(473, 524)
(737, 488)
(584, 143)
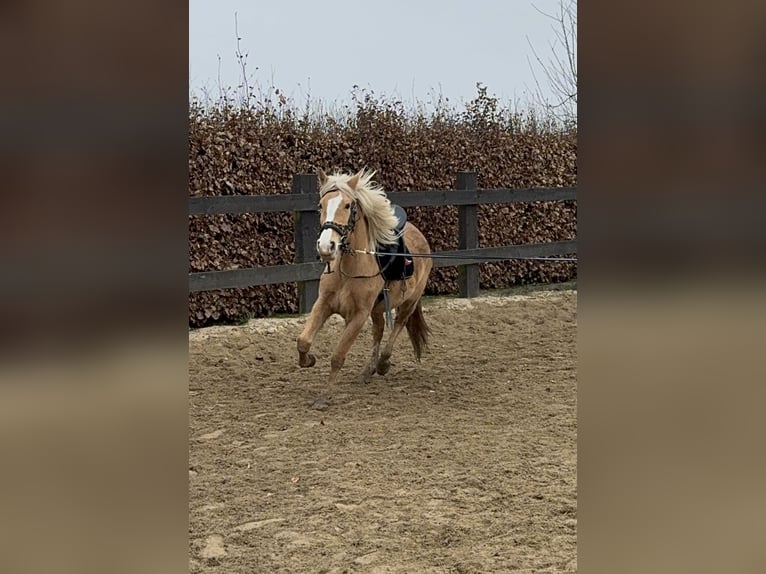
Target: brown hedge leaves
(257, 151)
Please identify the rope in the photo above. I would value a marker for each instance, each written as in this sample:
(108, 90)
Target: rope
(479, 257)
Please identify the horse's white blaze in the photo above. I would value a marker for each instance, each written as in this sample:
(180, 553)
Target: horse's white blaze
(323, 245)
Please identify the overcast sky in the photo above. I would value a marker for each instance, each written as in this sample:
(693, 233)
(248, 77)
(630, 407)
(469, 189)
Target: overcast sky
(403, 48)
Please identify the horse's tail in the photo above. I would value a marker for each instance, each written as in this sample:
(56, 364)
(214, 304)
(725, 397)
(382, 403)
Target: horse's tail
(418, 330)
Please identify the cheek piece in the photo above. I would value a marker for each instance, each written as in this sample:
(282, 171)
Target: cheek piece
(343, 230)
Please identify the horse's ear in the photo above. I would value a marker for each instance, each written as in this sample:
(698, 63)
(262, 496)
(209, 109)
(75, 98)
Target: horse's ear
(354, 181)
(322, 177)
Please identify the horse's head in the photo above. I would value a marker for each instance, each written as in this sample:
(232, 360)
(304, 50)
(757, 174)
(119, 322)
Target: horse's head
(338, 213)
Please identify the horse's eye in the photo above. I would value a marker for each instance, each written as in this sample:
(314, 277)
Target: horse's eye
(348, 206)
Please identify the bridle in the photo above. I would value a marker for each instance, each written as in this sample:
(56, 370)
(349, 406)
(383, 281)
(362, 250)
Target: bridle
(343, 230)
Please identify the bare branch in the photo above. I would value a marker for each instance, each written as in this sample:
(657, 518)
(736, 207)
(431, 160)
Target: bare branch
(242, 59)
(220, 86)
(560, 69)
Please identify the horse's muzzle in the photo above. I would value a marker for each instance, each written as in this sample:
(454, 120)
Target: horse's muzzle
(327, 250)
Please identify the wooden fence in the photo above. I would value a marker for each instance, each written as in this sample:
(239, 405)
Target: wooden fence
(303, 203)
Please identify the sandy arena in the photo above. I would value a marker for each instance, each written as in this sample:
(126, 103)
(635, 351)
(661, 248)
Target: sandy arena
(464, 462)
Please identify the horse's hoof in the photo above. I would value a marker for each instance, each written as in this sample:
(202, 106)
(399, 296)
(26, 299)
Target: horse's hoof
(383, 367)
(311, 360)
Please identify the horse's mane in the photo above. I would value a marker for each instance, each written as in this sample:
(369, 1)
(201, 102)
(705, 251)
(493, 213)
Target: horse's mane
(372, 202)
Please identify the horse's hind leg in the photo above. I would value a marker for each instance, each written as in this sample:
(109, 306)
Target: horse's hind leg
(378, 325)
(319, 314)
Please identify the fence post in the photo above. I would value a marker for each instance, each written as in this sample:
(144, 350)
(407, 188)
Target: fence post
(306, 229)
(468, 229)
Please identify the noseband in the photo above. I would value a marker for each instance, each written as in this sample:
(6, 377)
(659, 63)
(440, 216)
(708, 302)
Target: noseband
(343, 230)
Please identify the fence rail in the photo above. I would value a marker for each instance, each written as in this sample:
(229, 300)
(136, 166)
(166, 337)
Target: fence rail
(303, 202)
(238, 204)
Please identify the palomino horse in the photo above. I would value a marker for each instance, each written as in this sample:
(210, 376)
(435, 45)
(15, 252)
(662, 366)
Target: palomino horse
(357, 216)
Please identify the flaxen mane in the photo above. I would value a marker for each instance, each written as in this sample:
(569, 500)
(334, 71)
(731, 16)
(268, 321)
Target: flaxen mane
(373, 203)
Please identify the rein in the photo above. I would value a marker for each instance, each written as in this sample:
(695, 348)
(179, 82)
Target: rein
(347, 276)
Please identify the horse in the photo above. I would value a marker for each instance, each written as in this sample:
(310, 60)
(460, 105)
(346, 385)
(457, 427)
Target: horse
(357, 218)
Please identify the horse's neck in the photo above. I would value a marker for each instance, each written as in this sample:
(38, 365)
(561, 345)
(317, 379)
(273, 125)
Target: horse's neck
(358, 239)
(358, 264)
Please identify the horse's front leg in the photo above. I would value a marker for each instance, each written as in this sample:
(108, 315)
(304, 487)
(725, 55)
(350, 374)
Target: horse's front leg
(354, 324)
(403, 313)
(319, 314)
(378, 324)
